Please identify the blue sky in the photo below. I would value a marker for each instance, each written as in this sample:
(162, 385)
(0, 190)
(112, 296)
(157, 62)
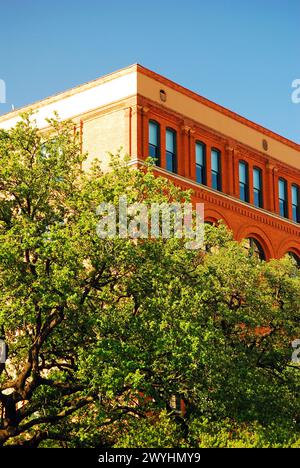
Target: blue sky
(242, 54)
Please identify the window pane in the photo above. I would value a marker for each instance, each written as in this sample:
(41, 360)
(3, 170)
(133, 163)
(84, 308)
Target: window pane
(282, 197)
(295, 213)
(200, 174)
(215, 181)
(257, 178)
(170, 141)
(200, 154)
(170, 161)
(282, 208)
(257, 187)
(153, 133)
(295, 195)
(257, 198)
(243, 172)
(200, 163)
(243, 178)
(243, 192)
(215, 160)
(215, 169)
(282, 189)
(295, 204)
(254, 248)
(153, 151)
(154, 141)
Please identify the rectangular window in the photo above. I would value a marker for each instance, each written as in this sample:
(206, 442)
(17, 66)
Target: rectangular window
(200, 162)
(257, 187)
(244, 181)
(154, 141)
(171, 156)
(283, 206)
(296, 203)
(216, 182)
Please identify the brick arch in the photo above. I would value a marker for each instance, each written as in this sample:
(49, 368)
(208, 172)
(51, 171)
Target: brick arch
(289, 245)
(258, 234)
(214, 216)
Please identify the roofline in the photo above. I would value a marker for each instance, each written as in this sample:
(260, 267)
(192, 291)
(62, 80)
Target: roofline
(166, 81)
(223, 110)
(69, 92)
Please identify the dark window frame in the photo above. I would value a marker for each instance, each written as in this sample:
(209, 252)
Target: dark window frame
(173, 154)
(295, 257)
(157, 147)
(244, 185)
(255, 248)
(203, 166)
(260, 190)
(296, 206)
(283, 202)
(219, 173)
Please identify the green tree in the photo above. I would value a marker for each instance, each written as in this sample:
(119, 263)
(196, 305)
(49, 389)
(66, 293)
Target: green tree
(103, 332)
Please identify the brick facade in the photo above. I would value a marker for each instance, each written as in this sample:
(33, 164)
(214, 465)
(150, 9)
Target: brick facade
(114, 111)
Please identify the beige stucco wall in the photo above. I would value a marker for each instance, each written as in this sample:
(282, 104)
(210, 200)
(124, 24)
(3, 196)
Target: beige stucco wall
(101, 106)
(103, 134)
(81, 100)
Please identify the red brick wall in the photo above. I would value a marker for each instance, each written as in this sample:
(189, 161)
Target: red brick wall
(276, 235)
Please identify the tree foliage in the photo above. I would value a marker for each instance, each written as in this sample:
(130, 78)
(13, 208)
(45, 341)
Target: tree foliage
(103, 332)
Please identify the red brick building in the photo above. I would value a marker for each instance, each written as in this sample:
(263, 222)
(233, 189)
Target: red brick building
(244, 174)
(253, 185)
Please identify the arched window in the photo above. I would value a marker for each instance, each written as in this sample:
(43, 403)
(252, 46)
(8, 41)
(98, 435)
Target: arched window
(216, 179)
(283, 204)
(296, 203)
(244, 181)
(257, 187)
(154, 141)
(200, 162)
(254, 248)
(171, 150)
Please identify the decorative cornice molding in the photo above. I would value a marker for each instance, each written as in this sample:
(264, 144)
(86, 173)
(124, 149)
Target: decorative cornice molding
(136, 109)
(185, 129)
(145, 110)
(229, 202)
